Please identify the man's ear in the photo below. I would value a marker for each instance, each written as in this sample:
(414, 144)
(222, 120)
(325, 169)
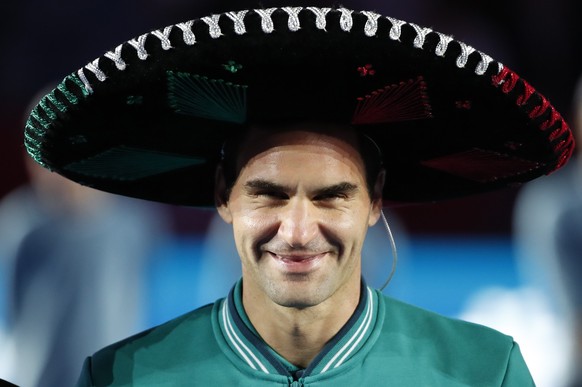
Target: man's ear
(377, 198)
(221, 195)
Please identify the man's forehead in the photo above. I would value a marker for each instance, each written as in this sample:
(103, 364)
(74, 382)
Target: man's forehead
(261, 138)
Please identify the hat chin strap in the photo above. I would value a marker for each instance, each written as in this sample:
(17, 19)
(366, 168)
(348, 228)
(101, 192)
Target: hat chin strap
(394, 252)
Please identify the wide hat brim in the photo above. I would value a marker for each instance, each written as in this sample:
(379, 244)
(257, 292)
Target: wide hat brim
(148, 119)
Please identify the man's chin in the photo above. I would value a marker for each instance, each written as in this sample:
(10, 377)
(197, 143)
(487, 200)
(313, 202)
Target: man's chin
(299, 293)
(299, 304)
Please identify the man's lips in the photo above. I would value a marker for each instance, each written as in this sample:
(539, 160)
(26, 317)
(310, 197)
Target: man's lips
(298, 262)
(296, 258)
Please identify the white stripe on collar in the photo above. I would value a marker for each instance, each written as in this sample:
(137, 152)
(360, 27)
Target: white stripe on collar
(234, 339)
(356, 338)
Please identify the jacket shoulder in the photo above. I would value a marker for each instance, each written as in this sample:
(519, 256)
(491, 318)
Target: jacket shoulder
(440, 345)
(156, 348)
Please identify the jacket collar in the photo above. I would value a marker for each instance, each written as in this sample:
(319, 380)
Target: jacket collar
(247, 344)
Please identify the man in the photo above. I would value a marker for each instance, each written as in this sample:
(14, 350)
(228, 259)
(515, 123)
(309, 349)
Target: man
(320, 117)
(300, 210)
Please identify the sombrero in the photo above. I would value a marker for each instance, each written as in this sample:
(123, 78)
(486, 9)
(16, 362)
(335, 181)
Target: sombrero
(148, 119)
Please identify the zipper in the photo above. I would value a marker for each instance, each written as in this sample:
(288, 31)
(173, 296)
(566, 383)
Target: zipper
(296, 379)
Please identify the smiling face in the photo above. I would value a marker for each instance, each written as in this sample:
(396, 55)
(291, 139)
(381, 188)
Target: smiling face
(300, 210)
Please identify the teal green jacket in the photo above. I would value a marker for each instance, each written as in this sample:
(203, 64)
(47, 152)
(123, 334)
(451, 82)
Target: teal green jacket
(385, 343)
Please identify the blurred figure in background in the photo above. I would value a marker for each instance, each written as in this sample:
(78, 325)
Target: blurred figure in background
(548, 230)
(74, 260)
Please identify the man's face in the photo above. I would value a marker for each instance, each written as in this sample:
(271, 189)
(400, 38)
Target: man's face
(300, 210)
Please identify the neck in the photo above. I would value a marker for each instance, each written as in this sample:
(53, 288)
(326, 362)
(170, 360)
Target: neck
(299, 334)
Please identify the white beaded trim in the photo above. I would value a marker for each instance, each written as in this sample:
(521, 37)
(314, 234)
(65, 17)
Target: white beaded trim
(139, 45)
(213, 27)
(293, 22)
(116, 57)
(266, 21)
(187, 33)
(346, 21)
(421, 33)
(346, 24)
(164, 37)
(443, 44)
(484, 64)
(85, 81)
(320, 14)
(466, 50)
(371, 26)
(238, 19)
(396, 29)
(94, 68)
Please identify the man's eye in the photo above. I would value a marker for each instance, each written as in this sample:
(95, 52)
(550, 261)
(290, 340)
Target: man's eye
(330, 196)
(272, 195)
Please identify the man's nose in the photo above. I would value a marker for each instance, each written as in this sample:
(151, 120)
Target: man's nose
(299, 223)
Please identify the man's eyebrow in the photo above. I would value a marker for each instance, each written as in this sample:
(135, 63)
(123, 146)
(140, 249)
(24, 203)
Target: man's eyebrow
(344, 188)
(263, 185)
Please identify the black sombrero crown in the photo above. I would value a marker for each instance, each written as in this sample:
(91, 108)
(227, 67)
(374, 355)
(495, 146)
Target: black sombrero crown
(148, 118)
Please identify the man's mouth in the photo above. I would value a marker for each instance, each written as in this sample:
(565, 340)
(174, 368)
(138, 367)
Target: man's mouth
(298, 262)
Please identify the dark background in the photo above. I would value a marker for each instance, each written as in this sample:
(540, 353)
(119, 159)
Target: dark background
(43, 41)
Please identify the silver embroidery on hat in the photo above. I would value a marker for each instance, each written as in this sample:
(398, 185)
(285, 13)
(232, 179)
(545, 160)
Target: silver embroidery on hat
(500, 67)
(396, 29)
(371, 26)
(239, 22)
(94, 68)
(164, 37)
(187, 33)
(139, 45)
(115, 56)
(213, 27)
(443, 44)
(466, 50)
(346, 21)
(484, 64)
(421, 33)
(85, 81)
(320, 14)
(266, 21)
(293, 21)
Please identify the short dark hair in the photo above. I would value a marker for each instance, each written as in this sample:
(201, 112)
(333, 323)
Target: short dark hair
(368, 149)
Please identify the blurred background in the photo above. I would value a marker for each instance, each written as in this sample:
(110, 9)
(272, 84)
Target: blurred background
(80, 269)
